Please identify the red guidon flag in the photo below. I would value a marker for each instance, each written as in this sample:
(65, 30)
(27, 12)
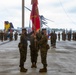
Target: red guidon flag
(35, 16)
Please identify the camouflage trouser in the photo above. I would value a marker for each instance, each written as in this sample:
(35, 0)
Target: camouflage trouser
(15, 37)
(34, 54)
(54, 43)
(23, 53)
(11, 38)
(43, 52)
(1, 38)
(51, 42)
(5, 37)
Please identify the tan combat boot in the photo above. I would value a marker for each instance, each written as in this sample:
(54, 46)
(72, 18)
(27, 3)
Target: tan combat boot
(23, 70)
(33, 65)
(43, 70)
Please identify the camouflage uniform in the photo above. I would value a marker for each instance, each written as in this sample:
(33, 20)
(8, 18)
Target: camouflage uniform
(59, 36)
(38, 36)
(2, 36)
(54, 39)
(43, 52)
(23, 51)
(73, 35)
(69, 36)
(11, 36)
(15, 36)
(33, 50)
(63, 36)
(5, 36)
(51, 39)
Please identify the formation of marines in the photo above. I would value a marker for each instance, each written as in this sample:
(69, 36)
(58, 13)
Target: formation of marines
(8, 36)
(67, 36)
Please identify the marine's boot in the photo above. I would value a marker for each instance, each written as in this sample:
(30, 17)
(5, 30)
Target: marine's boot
(22, 69)
(33, 65)
(43, 70)
(54, 46)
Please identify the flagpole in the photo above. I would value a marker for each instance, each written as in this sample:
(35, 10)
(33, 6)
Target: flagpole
(23, 13)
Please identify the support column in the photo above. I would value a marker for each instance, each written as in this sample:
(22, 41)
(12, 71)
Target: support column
(23, 13)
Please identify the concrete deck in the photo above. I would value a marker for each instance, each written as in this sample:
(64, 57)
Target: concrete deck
(61, 60)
